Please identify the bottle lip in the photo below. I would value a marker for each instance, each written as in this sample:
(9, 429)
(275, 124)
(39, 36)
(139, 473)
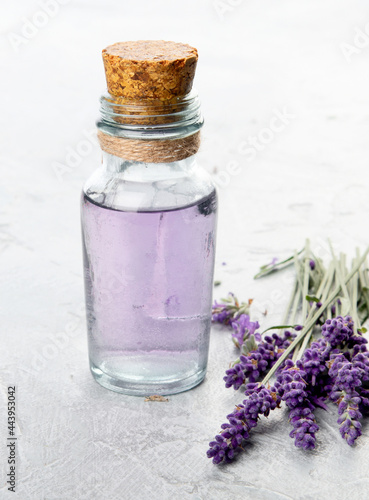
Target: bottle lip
(150, 119)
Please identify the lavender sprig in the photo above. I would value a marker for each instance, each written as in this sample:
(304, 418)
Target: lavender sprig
(334, 367)
(260, 402)
(293, 389)
(251, 366)
(229, 309)
(275, 265)
(348, 378)
(243, 329)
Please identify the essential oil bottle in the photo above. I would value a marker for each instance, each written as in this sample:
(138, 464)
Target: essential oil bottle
(148, 225)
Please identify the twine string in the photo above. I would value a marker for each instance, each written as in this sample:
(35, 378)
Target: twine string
(150, 151)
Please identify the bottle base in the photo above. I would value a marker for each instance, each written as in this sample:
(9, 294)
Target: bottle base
(146, 388)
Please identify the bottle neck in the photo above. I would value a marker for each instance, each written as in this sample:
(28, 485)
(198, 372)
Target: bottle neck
(177, 118)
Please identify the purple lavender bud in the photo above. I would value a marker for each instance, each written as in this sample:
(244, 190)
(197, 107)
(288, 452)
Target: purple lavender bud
(251, 387)
(357, 343)
(338, 330)
(243, 328)
(224, 312)
(253, 365)
(302, 420)
(336, 363)
(312, 363)
(221, 313)
(348, 377)
(298, 328)
(312, 264)
(350, 427)
(260, 402)
(234, 377)
(364, 395)
(361, 362)
(292, 388)
(257, 362)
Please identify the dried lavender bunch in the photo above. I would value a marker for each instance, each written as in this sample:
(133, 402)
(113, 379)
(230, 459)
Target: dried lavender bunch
(334, 367)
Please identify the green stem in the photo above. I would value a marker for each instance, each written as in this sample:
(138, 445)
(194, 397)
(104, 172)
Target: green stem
(296, 304)
(341, 271)
(363, 285)
(290, 302)
(265, 270)
(305, 289)
(354, 313)
(278, 327)
(322, 293)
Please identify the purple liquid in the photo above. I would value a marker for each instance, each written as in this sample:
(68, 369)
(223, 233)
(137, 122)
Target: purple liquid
(148, 282)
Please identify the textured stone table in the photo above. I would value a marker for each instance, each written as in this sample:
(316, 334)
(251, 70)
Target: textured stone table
(293, 75)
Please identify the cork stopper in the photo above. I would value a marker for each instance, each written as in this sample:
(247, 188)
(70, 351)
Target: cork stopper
(148, 69)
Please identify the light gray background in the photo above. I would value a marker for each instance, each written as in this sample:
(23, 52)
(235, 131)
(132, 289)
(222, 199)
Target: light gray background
(77, 440)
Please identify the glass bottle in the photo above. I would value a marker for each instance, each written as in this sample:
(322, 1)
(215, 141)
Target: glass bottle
(148, 233)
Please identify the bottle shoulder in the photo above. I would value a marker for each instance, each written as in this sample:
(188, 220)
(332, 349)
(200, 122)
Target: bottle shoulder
(133, 186)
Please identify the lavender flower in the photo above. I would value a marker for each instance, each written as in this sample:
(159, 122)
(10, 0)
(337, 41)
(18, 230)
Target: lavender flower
(291, 385)
(260, 402)
(364, 395)
(349, 416)
(338, 330)
(357, 343)
(231, 437)
(304, 426)
(313, 361)
(235, 376)
(292, 388)
(228, 310)
(222, 313)
(243, 329)
(347, 379)
(335, 364)
(361, 361)
(255, 363)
